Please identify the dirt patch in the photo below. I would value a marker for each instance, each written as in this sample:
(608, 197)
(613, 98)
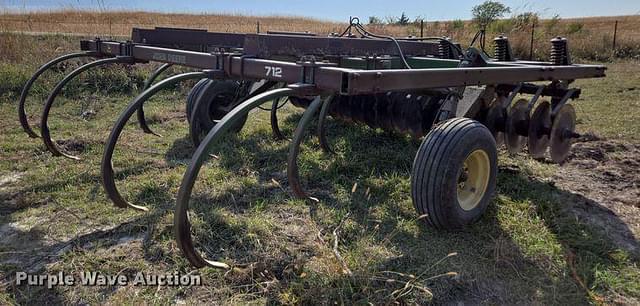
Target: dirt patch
(10, 199)
(158, 118)
(28, 245)
(73, 145)
(605, 174)
(88, 114)
(9, 179)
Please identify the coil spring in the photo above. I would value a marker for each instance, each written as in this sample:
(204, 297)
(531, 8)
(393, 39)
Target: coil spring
(501, 48)
(559, 52)
(444, 48)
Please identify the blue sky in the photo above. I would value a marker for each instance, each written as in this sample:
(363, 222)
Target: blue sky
(340, 10)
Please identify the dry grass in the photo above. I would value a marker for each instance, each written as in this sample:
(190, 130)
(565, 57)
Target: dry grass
(591, 38)
(529, 248)
(120, 23)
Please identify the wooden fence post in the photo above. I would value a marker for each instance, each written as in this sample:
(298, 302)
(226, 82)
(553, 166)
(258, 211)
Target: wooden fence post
(421, 27)
(615, 34)
(533, 32)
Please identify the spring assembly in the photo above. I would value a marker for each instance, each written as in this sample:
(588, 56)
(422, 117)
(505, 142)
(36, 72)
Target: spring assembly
(444, 48)
(560, 51)
(502, 49)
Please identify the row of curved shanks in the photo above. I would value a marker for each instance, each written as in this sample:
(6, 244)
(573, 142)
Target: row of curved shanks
(181, 220)
(46, 133)
(107, 171)
(182, 231)
(44, 123)
(139, 103)
(22, 114)
(44, 126)
(108, 178)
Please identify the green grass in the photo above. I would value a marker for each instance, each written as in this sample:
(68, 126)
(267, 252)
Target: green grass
(611, 106)
(528, 248)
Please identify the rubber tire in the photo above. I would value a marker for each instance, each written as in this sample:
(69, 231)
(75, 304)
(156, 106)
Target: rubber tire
(193, 94)
(435, 172)
(201, 116)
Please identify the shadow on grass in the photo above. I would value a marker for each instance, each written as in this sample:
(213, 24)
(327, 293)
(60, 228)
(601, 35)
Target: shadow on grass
(588, 248)
(180, 152)
(56, 185)
(32, 248)
(33, 251)
(492, 265)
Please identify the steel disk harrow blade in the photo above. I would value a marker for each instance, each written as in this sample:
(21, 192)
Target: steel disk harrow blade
(401, 112)
(562, 133)
(495, 121)
(539, 129)
(516, 126)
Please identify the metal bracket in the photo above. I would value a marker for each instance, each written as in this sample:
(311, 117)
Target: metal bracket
(214, 73)
(309, 65)
(242, 58)
(535, 98)
(98, 45)
(126, 59)
(506, 103)
(304, 89)
(126, 48)
(561, 102)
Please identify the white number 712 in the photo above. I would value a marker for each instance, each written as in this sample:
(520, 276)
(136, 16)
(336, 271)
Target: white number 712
(273, 71)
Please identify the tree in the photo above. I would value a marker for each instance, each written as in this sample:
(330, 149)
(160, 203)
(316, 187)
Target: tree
(391, 19)
(403, 20)
(457, 24)
(374, 20)
(525, 20)
(487, 12)
(551, 24)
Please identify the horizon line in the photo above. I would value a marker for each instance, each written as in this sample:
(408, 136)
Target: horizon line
(22, 11)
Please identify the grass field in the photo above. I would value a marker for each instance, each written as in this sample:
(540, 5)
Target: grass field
(590, 38)
(552, 235)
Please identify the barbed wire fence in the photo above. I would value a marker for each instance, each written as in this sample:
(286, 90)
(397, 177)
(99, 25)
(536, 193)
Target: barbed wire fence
(108, 28)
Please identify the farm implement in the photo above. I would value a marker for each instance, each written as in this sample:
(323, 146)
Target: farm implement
(463, 103)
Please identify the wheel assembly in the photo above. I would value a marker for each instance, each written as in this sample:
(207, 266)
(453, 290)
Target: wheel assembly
(454, 173)
(562, 133)
(211, 101)
(193, 94)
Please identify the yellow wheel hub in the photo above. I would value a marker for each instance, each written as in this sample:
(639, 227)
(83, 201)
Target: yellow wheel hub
(473, 179)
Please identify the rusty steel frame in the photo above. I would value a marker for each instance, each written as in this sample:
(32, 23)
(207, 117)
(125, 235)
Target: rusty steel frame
(307, 65)
(346, 81)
